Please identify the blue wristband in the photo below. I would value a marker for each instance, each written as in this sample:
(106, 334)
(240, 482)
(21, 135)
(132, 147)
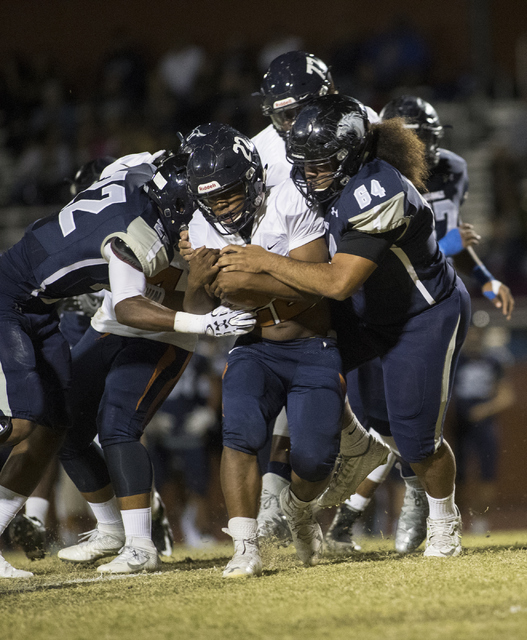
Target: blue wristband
(482, 274)
(451, 244)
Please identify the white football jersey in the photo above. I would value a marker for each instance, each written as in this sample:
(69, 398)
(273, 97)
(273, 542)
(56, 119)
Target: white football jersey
(271, 149)
(131, 160)
(284, 222)
(173, 278)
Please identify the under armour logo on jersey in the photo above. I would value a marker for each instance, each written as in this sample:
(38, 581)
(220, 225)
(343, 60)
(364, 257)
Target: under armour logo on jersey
(334, 212)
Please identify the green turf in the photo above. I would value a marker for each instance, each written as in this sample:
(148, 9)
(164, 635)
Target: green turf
(374, 594)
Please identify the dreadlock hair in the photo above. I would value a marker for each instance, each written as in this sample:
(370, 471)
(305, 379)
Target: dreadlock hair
(402, 149)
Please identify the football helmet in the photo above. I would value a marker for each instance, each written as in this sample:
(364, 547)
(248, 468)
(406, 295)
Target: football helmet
(89, 173)
(223, 161)
(168, 189)
(291, 81)
(332, 131)
(422, 118)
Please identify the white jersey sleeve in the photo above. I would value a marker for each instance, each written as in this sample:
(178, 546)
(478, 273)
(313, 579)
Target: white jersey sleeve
(271, 149)
(131, 160)
(173, 278)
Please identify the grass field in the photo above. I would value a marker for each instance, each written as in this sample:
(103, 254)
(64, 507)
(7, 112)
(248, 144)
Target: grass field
(374, 594)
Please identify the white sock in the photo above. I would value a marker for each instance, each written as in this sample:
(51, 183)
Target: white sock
(413, 482)
(243, 528)
(10, 505)
(108, 514)
(380, 474)
(137, 523)
(354, 439)
(442, 508)
(357, 502)
(273, 483)
(37, 508)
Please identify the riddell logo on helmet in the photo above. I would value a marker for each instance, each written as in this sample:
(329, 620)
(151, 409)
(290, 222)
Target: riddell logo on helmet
(283, 103)
(209, 186)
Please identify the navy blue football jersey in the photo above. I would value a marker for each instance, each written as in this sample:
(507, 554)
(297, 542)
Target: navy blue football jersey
(380, 216)
(447, 189)
(62, 255)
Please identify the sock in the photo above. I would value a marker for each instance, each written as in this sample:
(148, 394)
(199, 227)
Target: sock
(354, 439)
(380, 474)
(10, 505)
(300, 504)
(282, 469)
(108, 515)
(37, 508)
(273, 483)
(413, 482)
(442, 508)
(137, 523)
(243, 528)
(357, 502)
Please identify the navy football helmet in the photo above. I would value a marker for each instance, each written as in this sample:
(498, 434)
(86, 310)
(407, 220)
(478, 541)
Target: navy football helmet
(291, 81)
(422, 118)
(89, 173)
(168, 189)
(222, 161)
(334, 131)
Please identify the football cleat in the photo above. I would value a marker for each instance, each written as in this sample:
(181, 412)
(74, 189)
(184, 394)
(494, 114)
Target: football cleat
(350, 471)
(443, 537)
(338, 537)
(162, 535)
(133, 558)
(246, 560)
(305, 530)
(272, 523)
(93, 545)
(7, 571)
(411, 527)
(30, 534)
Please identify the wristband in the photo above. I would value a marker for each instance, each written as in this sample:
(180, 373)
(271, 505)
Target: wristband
(451, 244)
(482, 274)
(188, 322)
(495, 284)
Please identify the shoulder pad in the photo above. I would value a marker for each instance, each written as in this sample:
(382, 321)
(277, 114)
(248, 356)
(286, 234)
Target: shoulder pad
(124, 253)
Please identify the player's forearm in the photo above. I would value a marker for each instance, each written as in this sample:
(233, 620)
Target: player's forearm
(198, 300)
(264, 283)
(309, 277)
(145, 314)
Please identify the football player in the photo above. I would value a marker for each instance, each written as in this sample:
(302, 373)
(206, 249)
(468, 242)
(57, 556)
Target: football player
(291, 359)
(292, 81)
(446, 190)
(113, 235)
(399, 298)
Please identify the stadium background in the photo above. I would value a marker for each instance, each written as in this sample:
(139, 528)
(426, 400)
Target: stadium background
(59, 58)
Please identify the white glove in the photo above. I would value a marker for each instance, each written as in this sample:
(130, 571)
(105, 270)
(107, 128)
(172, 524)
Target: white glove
(220, 322)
